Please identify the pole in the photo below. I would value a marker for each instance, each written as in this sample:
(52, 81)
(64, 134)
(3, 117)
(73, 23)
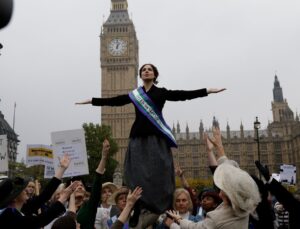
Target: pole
(14, 116)
(258, 150)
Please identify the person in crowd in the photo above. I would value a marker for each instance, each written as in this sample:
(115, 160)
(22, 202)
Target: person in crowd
(37, 201)
(240, 197)
(262, 217)
(238, 191)
(282, 216)
(131, 199)
(14, 196)
(87, 211)
(183, 205)
(148, 161)
(289, 202)
(180, 173)
(105, 209)
(210, 200)
(118, 198)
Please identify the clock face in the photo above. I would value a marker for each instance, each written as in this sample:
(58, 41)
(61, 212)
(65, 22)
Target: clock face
(117, 47)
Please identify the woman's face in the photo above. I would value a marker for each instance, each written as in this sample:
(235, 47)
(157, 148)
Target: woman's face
(208, 203)
(147, 73)
(121, 201)
(105, 194)
(182, 203)
(30, 189)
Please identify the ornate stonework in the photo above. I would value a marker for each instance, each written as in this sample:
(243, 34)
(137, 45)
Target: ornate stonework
(119, 70)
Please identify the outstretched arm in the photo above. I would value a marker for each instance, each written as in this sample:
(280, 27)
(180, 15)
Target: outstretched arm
(119, 100)
(180, 173)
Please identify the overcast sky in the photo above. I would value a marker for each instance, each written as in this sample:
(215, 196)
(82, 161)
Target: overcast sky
(51, 59)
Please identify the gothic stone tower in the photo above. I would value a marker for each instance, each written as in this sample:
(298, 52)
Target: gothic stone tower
(119, 70)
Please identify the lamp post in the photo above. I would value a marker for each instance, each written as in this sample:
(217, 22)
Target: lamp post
(257, 127)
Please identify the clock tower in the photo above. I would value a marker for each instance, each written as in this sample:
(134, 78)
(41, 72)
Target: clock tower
(119, 71)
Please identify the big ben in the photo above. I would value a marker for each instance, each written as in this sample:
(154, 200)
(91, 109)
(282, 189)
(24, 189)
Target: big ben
(119, 70)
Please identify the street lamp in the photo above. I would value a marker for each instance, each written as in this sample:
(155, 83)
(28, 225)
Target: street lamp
(256, 127)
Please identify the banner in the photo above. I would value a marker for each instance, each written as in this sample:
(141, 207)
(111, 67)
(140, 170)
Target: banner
(288, 174)
(71, 142)
(39, 155)
(3, 154)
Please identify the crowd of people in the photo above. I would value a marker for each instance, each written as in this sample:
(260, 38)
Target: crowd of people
(236, 201)
(149, 198)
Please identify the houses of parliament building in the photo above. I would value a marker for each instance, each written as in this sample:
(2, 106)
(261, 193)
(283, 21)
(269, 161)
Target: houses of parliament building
(119, 58)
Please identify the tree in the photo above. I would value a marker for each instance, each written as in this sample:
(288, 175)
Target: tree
(94, 137)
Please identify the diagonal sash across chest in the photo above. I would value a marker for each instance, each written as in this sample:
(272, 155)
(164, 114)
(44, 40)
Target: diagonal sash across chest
(147, 107)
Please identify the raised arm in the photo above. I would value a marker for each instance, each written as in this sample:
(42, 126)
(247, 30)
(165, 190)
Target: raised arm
(87, 213)
(113, 101)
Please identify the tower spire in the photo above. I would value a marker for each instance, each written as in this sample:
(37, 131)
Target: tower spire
(277, 91)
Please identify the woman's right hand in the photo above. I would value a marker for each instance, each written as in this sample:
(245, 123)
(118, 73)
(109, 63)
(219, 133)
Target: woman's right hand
(84, 102)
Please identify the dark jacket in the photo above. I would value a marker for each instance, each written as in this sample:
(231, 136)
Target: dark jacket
(289, 202)
(11, 218)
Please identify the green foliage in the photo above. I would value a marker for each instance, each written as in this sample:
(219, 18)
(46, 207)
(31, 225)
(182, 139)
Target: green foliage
(94, 137)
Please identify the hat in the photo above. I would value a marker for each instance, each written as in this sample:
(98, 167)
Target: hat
(239, 187)
(110, 185)
(64, 222)
(10, 189)
(113, 198)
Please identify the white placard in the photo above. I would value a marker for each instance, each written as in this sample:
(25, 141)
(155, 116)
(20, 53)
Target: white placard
(288, 174)
(49, 171)
(71, 142)
(39, 155)
(3, 154)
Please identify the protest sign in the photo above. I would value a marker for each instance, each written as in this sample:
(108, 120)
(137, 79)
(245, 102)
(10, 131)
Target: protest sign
(71, 142)
(288, 174)
(39, 155)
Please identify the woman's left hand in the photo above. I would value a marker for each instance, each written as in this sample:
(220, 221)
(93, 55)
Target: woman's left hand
(215, 90)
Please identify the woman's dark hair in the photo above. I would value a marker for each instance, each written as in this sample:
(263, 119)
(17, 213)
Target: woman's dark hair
(155, 71)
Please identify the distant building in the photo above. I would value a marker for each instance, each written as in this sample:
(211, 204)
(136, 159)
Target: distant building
(279, 143)
(12, 138)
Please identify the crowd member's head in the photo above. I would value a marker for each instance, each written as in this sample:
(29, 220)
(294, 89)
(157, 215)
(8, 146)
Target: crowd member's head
(107, 190)
(210, 200)
(65, 222)
(118, 198)
(30, 189)
(238, 189)
(13, 192)
(81, 188)
(182, 201)
(57, 193)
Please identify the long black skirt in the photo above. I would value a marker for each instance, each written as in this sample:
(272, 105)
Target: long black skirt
(149, 164)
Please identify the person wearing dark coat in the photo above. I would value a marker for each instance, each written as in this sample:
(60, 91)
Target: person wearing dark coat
(149, 162)
(13, 197)
(289, 202)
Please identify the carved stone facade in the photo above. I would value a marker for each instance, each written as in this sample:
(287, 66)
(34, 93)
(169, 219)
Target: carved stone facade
(119, 70)
(279, 143)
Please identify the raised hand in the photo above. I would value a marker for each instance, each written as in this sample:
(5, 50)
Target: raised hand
(132, 197)
(215, 90)
(65, 194)
(178, 171)
(208, 144)
(64, 162)
(105, 148)
(174, 215)
(84, 102)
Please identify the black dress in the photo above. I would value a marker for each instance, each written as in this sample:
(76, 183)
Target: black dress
(148, 161)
